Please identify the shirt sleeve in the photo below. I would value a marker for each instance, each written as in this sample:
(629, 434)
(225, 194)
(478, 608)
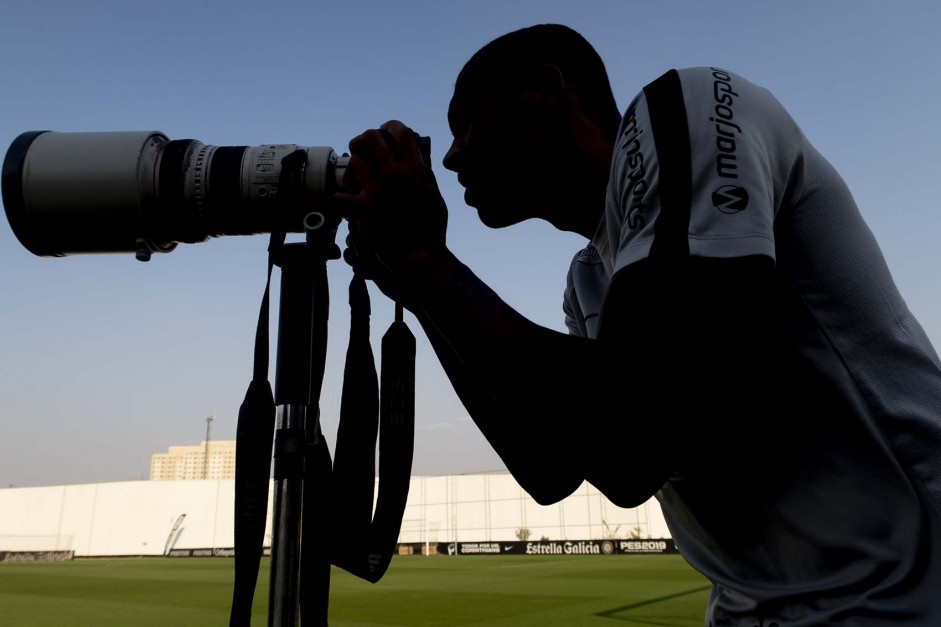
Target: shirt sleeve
(585, 288)
(703, 162)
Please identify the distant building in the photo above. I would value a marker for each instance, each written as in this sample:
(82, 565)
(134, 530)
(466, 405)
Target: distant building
(217, 461)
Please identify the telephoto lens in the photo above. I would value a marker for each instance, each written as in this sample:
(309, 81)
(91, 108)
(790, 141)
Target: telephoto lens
(141, 192)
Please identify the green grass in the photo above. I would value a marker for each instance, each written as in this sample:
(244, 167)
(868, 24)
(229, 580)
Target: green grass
(485, 591)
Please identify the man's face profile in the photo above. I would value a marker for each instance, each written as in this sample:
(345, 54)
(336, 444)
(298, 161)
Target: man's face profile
(495, 155)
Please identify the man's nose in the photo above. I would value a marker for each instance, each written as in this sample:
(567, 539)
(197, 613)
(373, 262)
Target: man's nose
(452, 158)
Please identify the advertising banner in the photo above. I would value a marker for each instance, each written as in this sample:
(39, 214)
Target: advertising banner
(541, 547)
(559, 547)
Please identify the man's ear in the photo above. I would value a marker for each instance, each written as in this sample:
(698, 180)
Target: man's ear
(551, 82)
(545, 86)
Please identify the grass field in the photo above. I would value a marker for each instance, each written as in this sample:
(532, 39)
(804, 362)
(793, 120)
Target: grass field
(491, 591)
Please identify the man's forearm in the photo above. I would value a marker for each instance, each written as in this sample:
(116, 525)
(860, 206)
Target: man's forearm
(513, 376)
(503, 350)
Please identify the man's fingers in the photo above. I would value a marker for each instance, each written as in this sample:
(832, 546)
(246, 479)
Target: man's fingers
(376, 156)
(392, 144)
(369, 143)
(378, 153)
(405, 141)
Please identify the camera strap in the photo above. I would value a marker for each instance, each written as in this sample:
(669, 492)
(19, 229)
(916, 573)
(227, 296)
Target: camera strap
(365, 540)
(253, 443)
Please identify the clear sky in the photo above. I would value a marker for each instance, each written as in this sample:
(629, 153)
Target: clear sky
(105, 360)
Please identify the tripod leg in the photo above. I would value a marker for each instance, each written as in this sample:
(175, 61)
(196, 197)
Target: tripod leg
(288, 502)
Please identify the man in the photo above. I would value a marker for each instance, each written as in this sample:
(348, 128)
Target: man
(733, 327)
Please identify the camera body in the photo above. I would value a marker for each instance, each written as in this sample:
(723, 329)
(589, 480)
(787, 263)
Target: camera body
(141, 192)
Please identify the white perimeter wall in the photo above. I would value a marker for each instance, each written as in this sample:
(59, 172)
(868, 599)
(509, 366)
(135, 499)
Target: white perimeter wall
(136, 517)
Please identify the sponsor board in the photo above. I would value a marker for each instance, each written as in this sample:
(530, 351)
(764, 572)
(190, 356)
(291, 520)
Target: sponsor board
(559, 547)
(542, 547)
(217, 552)
(36, 556)
(180, 553)
(646, 546)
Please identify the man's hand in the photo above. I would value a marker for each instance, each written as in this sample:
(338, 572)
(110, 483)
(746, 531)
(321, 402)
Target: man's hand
(397, 218)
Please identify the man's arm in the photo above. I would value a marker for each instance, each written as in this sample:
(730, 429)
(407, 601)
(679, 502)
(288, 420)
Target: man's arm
(552, 405)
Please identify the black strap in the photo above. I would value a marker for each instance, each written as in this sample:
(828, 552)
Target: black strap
(396, 442)
(671, 138)
(253, 442)
(354, 464)
(316, 533)
(316, 513)
(367, 540)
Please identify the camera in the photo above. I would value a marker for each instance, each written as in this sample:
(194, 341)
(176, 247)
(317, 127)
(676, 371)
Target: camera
(141, 192)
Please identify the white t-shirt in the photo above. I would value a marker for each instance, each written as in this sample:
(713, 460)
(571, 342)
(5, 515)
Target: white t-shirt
(830, 512)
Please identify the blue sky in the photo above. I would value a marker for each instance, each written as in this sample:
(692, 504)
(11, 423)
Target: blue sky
(106, 360)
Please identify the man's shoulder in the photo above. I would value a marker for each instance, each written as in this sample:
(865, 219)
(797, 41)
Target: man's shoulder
(587, 256)
(700, 73)
(585, 262)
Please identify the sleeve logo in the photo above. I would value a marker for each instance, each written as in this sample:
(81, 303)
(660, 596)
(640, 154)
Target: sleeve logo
(730, 199)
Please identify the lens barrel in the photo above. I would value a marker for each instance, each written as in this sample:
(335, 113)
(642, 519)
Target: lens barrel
(140, 192)
(70, 193)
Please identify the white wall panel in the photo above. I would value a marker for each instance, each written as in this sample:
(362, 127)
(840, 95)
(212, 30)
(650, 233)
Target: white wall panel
(136, 517)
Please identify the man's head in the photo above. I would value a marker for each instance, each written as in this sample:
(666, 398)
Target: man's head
(533, 119)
